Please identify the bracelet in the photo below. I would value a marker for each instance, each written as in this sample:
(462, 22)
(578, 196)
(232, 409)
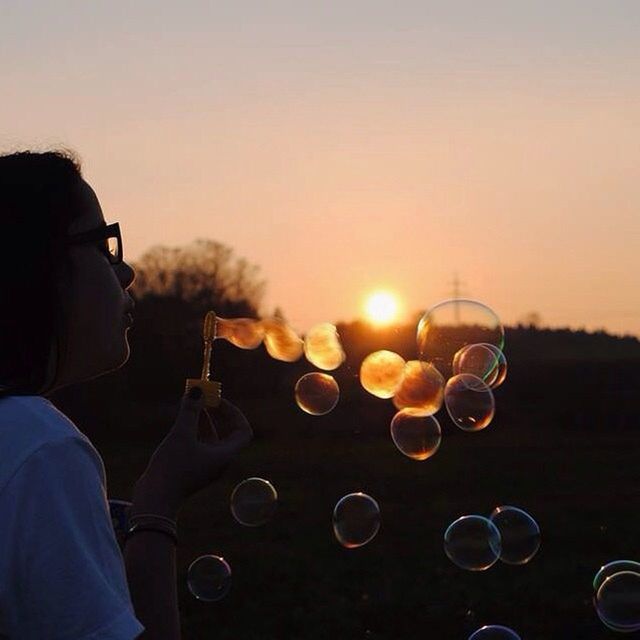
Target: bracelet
(137, 528)
(152, 516)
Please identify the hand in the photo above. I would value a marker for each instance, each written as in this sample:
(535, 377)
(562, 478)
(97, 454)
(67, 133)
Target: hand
(190, 458)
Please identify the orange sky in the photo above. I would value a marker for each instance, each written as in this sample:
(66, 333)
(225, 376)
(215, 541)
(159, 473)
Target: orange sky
(355, 146)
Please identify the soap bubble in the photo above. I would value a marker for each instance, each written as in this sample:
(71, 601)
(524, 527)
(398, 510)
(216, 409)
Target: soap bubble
(245, 333)
(617, 601)
(254, 501)
(322, 347)
(415, 434)
(381, 373)
(472, 543)
(469, 402)
(422, 387)
(450, 325)
(317, 393)
(483, 360)
(356, 520)
(209, 578)
(281, 341)
(494, 632)
(611, 568)
(519, 533)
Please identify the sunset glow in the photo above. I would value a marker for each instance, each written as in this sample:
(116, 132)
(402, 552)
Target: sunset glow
(381, 308)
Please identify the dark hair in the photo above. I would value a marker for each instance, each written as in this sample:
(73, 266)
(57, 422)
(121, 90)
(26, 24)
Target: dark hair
(38, 202)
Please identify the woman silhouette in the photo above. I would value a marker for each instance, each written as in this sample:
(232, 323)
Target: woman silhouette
(65, 315)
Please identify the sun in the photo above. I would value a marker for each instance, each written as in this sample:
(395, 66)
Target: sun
(381, 307)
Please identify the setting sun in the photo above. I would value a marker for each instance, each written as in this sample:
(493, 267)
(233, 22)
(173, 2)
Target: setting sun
(381, 307)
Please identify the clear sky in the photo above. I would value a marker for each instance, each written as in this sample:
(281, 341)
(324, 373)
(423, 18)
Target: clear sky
(347, 146)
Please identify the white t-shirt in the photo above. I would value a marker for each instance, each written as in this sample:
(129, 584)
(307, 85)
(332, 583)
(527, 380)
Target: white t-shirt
(61, 572)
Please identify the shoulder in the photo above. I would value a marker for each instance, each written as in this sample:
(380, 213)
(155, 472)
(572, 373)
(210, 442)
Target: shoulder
(32, 427)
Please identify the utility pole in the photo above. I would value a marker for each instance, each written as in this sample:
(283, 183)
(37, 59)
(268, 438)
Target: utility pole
(457, 292)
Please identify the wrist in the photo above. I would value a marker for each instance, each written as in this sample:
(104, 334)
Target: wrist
(150, 496)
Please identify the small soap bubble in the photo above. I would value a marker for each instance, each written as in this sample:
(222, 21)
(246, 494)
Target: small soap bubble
(415, 434)
(469, 402)
(494, 632)
(356, 520)
(482, 360)
(322, 347)
(281, 341)
(617, 601)
(253, 502)
(450, 325)
(473, 543)
(381, 373)
(519, 533)
(245, 333)
(209, 578)
(611, 568)
(422, 387)
(317, 393)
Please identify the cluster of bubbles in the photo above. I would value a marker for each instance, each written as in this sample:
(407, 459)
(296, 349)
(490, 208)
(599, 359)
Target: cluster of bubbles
(460, 362)
(315, 393)
(616, 595)
(476, 543)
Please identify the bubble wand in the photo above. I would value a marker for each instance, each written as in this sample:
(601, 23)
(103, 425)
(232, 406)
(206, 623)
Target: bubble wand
(211, 389)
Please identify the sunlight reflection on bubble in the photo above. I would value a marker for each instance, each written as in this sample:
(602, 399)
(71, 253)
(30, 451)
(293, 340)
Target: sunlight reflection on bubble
(422, 387)
(322, 347)
(245, 333)
(317, 393)
(281, 341)
(494, 632)
(381, 373)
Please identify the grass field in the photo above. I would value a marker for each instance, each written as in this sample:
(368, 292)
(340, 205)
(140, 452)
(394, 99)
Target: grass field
(578, 477)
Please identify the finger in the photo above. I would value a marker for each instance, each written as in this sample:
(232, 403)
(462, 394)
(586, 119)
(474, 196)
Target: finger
(191, 405)
(241, 432)
(207, 431)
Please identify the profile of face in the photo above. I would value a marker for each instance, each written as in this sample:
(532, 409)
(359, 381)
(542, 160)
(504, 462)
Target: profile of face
(96, 303)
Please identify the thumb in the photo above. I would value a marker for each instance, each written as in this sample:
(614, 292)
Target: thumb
(191, 405)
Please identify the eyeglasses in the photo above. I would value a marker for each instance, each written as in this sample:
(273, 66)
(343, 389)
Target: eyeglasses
(108, 237)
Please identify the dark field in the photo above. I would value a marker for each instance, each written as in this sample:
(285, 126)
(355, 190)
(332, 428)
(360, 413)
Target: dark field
(564, 446)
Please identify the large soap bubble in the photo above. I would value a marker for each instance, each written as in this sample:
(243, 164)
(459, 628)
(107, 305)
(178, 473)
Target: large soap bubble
(469, 401)
(519, 532)
(483, 360)
(494, 632)
(617, 601)
(356, 520)
(209, 578)
(422, 387)
(317, 393)
(381, 373)
(473, 543)
(322, 347)
(245, 333)
(253, 502)
(281, 341)
(450, 325)
(415, 434)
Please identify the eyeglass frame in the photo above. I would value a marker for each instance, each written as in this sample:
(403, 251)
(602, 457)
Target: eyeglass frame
(101, 233)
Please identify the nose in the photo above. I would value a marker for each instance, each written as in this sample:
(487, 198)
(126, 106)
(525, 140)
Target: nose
(126, 274)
